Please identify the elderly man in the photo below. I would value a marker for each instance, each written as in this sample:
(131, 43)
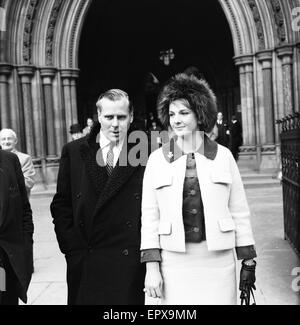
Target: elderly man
(16, 229)
(97, 210)
(8, 142)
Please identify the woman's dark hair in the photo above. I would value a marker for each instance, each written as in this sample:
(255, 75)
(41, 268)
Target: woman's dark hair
(196, 93)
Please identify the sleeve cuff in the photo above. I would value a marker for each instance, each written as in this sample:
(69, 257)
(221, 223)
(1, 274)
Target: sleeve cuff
(151, 255)
(245, 252)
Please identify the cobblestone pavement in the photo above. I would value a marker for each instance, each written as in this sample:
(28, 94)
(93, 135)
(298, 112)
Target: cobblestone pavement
(276, 259)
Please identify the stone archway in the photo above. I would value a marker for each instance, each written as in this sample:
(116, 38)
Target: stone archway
(39, 70)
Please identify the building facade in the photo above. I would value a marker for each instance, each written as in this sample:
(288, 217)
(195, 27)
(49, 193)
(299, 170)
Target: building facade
(39, 45)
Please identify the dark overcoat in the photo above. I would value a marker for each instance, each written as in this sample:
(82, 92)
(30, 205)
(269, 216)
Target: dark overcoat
(97, 222)
(16, 226)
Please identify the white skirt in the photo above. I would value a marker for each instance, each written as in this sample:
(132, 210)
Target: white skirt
(198, 277)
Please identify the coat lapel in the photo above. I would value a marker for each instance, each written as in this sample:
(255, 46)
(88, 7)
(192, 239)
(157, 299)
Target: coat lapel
(119, 177)
(93, 160)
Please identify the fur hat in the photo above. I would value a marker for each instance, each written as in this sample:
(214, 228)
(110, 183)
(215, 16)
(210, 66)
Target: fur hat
(197, 93)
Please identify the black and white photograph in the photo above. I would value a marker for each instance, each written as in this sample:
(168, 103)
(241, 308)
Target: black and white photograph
(149, 155)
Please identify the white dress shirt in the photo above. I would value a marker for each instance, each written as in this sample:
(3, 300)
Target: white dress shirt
(105, 145)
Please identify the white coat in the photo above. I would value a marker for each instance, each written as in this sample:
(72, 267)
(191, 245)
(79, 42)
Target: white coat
(226, 212)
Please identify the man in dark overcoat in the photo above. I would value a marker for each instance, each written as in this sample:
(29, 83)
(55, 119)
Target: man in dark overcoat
(16, 230)
(236, 137)
(97, 211)
(223, 131)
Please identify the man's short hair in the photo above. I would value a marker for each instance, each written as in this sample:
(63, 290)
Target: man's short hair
(14, 134)
(114, 95)
(197, 95)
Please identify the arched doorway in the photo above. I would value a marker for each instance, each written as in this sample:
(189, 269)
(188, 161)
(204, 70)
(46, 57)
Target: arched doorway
(121, 42)
(41, 49)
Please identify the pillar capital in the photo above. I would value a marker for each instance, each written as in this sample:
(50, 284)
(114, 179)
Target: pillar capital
(69, 73)
(264, 55)
(5, 69)
(26, 73)
(26, 70)
(265, 58)
(286, 53)
(244, 60)
(48, 72)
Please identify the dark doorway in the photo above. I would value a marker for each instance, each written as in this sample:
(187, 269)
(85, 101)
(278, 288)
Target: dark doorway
(121, 43)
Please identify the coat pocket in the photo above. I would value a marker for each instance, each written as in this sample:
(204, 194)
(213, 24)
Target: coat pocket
(165, 228)
(221, 177)
(163, 181)
(226, 224)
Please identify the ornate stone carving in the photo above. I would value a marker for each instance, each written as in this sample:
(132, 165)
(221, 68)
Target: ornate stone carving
(279, 20)
(235, 25)
(258, 23)
(27, 36)
(75, 26)
(50, 32)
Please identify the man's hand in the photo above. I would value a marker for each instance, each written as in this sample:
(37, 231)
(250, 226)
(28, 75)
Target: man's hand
(247, 280)
(153, 280)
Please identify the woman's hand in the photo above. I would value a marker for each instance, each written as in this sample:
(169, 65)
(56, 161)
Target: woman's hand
(153, 280)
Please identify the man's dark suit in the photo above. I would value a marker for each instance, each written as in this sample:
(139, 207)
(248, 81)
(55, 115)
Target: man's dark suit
(16, 227)
(97, 223)
(223, 138)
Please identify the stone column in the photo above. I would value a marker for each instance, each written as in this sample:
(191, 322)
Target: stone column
(285, 53)
(47, 75)
(5, 116)
(245, 64)
(26, 74)
(266, 58)
(67, 76)
(75, 76)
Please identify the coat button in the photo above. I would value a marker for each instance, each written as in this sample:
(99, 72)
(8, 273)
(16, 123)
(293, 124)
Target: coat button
(196, 229)
(129, 224)
(194, 211)
(125, 252)
(137, 196)
(79, 195)
(193, 192)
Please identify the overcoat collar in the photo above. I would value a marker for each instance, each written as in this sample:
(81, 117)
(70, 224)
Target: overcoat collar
(105, 187)
(172, 152)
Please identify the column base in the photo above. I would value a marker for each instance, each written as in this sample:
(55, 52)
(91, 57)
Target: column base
(266, 159)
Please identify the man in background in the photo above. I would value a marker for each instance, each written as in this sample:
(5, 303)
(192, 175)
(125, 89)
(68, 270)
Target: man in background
(76, 132)
(223, 131)
(89, 125)
(8, 142)
(236, 137)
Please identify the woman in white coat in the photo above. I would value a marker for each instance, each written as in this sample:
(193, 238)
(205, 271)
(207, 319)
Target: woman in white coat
(194, 210)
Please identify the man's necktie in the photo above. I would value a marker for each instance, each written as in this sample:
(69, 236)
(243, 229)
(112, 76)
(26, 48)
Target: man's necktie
(110, 161)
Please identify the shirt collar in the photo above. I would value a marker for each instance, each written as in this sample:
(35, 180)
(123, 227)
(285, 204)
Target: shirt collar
(172, 152)
(104, 142)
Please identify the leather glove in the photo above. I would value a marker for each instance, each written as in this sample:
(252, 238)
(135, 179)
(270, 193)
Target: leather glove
(247, 280)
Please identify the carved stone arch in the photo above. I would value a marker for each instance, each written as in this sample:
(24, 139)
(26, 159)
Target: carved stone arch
(68, 49)
(39, 32)
(268, 24)
(255, 19)
(241, 33)
(278, 22)
(15, 13)
(287, 7)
